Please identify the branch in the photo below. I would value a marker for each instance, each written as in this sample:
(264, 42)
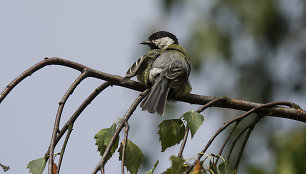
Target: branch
(180, 154)
(124, 146)
(115, 80)
(226, 140)
(119, 128)
(294, 113)
(199, 110)
(63, 148)
(239, 118)
(59, 114)
(80, 109)
(235, 141)
(250, 129)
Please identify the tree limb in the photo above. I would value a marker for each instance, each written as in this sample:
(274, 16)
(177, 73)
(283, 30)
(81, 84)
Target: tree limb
(119, 128)
(239, 118)
(294, 113)
(70, 90)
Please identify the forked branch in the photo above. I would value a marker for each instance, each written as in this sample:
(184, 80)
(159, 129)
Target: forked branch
(294, 112)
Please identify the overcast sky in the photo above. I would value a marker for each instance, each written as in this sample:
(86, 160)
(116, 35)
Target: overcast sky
(103, 35)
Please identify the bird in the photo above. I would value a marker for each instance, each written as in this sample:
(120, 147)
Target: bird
(165, 69)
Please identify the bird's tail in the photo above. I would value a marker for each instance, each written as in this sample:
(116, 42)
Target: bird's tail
(156, 99)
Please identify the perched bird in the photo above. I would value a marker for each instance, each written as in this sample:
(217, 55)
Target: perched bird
(165, 68)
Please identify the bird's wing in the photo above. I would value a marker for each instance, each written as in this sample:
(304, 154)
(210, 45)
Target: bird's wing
(142, 62)
(176, 76)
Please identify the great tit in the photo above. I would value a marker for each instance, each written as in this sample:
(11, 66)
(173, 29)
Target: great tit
(165, 68)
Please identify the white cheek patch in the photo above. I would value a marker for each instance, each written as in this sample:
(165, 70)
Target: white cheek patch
(163, 42)
(166, 41)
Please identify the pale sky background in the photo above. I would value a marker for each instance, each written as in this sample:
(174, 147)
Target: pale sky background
(103, 35)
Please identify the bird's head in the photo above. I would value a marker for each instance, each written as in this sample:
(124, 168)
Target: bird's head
(161, 40)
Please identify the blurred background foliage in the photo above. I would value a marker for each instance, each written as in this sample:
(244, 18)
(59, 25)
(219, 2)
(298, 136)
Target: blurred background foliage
(260, 47)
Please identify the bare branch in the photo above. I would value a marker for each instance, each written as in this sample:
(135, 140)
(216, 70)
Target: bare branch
(199, 110)
(39, 65)
(250, 129)
(59, 114)
(114, 79)
(226, 140)
(124, 146)
(180, 154)
(210, 103)
(235, 141)
(253, 110)
(119, 128)
(80, 109)
(294, 113)
(63, 148)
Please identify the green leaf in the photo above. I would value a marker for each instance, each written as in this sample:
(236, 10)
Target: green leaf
(177, 165)
(103, 138)
(194, 121)
(37, 166)
(109, 134)
(133, 156)
(152, 170)
(171, 132)
(168, 171)
(224, 168)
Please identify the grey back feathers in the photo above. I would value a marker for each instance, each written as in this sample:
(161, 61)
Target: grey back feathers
(164, 67)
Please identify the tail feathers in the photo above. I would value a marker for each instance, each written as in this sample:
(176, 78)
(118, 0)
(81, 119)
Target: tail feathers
(156, 99)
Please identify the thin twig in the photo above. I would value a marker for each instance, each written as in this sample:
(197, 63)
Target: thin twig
(70, 90)
(180, 154)
(114, 79)
(251, 127)
(226, 140)
(229, 123)
(70, 128)
(80, 109)
(102, 170)
(294, 113)
(119, 128)
(199, 110)
(235, 141)
(210, 103)
(124, 146)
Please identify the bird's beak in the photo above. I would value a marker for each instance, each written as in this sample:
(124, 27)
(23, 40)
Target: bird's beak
(146, 43)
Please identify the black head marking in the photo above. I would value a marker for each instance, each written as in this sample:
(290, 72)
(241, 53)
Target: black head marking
(161, 34)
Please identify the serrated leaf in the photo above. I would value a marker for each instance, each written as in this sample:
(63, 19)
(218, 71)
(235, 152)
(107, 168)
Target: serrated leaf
(133, 156)
(171, 132)
(109, 134)
(103, 138)
(194, 121)
(213, 167)
(168, 171)
(37, 166)
(177, 165)
(152, 170)
(224, 168)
